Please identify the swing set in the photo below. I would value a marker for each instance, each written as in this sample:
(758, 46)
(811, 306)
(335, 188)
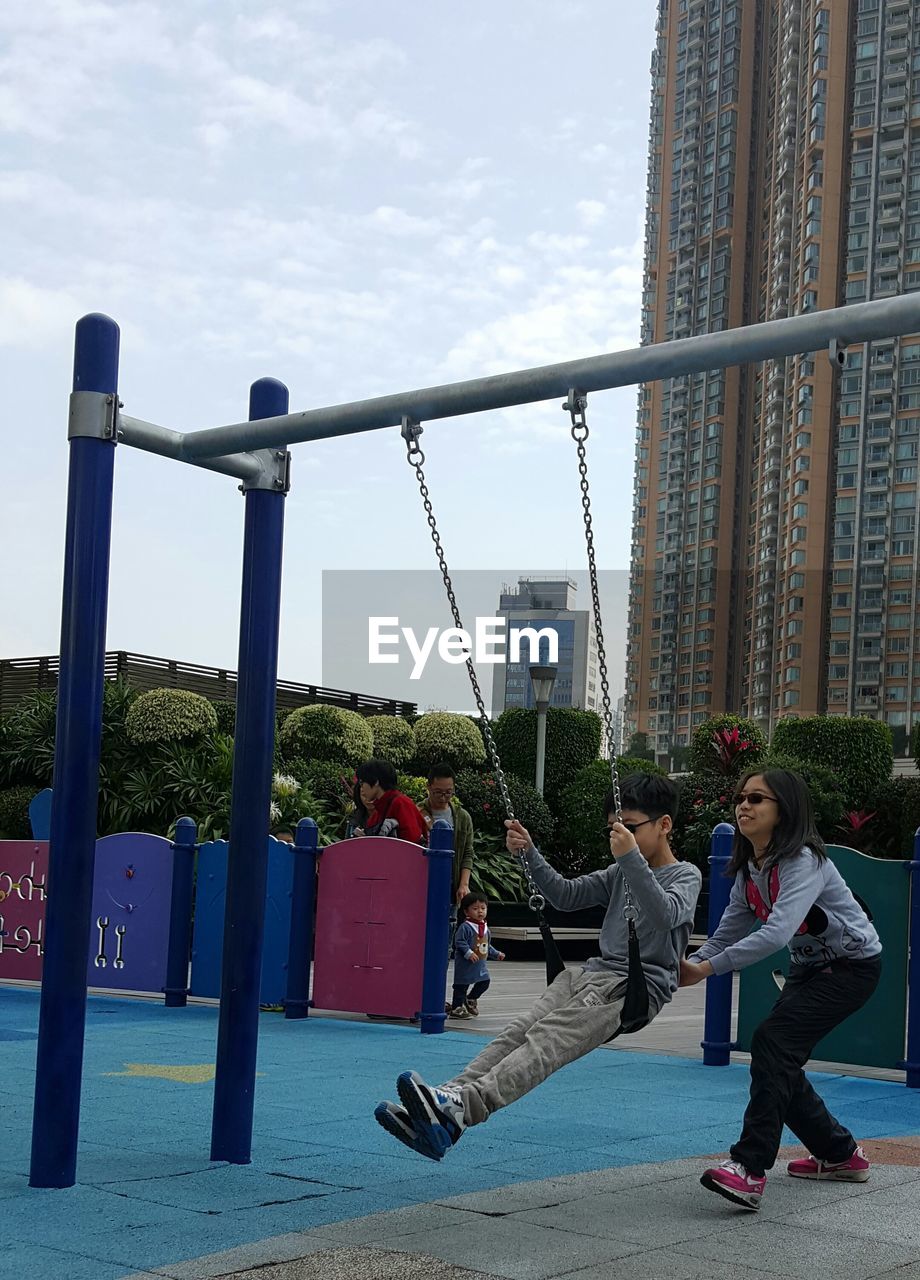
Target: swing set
(255, 452)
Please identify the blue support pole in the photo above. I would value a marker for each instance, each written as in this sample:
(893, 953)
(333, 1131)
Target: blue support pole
(717, 1027)
(180, 914)
(62, 1018)
(912, 1063)
(303, 902)
(440, 853)
(247, 870)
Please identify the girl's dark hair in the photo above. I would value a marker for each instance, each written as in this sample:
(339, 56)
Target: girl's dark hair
(377, 773)
(796, 826)
(359, 817)
(469, 898)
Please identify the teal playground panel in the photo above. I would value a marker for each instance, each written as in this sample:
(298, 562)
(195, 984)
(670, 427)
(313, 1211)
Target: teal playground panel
(875, 1036)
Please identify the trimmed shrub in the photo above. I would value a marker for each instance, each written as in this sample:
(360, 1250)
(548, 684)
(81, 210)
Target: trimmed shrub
(226, 716)
(329, 733)
(169, 715)
(890, 834)
(635, 764)
(448, 737)
(480, 794)
(856, 748)
(394, 739)
(14, 812)
(582, 843)
(573, 740)
(705, 801)
(415, 788)
(726, 744)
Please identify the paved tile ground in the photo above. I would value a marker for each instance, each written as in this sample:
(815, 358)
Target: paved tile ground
(594, 1174)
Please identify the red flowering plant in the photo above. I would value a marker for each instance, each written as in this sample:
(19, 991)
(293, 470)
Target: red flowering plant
(853, 828)
(726, 745)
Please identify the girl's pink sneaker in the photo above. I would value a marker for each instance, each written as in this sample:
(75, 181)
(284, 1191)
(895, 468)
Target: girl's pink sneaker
(856, 1169)
(731, 1180)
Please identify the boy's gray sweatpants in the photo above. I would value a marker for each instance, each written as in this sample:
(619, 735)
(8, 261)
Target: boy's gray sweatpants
(578, 1012)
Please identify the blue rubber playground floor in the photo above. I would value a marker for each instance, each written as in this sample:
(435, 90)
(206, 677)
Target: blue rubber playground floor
(147, 1195)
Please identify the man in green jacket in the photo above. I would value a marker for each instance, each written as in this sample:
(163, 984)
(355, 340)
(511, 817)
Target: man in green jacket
(442, 803)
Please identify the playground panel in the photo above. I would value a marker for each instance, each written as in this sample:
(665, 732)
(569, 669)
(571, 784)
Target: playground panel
(210, 904)
(875, 1036)
(23, 879)
(372, 908)
(132, 894)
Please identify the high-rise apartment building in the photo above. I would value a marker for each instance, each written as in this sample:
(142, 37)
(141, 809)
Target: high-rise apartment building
(774, 534)
(549, 604)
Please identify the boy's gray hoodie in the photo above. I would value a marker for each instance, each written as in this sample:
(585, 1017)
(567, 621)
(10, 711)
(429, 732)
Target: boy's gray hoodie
(665, 898)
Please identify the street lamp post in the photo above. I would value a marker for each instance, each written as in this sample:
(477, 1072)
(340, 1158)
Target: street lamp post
(542, 679)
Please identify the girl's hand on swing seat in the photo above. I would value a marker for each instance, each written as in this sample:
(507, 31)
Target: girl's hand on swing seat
(517, 838)
(691, 974)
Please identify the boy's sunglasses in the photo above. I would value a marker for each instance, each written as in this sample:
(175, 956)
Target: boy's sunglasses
(631, 827)
(752, 797)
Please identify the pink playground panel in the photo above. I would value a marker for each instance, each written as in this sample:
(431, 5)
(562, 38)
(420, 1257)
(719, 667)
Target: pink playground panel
(369, 951)
(23, 877)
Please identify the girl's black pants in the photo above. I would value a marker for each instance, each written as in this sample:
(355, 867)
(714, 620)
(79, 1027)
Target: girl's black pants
(814, 1001)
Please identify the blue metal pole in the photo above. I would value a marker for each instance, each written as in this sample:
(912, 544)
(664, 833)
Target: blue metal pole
(912, 1063)
(247, 869)
(440, 854)
(180, 914)
(62, 1018)
(717, 1028)
(303, 901)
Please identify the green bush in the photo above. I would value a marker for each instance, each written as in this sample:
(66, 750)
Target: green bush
(445, 737)
(480, 794)
(496, 872)
(856, 748)
(169, 715)
(14, 813)
(226, 716)
(636, 764)
(897, 817)
(573, 740)
(705, 801)
(394, 739)
(726, 744)
(329, 733)
(416, 788)
(28, 739)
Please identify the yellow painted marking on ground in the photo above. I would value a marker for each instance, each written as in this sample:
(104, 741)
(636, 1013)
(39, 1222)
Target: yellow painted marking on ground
(194, 1073)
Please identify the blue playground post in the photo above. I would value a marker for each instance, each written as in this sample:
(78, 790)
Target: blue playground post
(238, 1026)
(180, 914)
(912, 1063)
(440, 853)
(303, 902)
(62, 1018)
(717, 1027)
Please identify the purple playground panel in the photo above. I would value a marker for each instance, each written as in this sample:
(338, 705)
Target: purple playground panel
(129, 931)
(370, 927)
(23, 877)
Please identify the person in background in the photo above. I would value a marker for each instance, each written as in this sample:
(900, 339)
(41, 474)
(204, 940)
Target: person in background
(472, 948)
(390, 811)
(442, 803)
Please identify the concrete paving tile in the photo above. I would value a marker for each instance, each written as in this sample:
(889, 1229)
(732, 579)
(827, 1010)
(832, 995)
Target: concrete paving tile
(283, 1248)
(886, 1212)
(793, 1251)
(519, 1250)
(397, 1222)
(364, 1264)
(633, 1215)
(668, 1264)
(910, 1272)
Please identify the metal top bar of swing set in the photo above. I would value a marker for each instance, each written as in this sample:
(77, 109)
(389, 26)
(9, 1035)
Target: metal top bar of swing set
(835, 329)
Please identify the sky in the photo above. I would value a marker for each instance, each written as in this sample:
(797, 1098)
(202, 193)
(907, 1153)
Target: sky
(357, 198)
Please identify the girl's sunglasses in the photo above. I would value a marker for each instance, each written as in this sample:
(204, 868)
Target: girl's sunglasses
(752, 797)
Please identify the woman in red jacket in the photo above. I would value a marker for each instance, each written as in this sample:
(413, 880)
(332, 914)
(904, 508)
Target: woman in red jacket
(390, 812)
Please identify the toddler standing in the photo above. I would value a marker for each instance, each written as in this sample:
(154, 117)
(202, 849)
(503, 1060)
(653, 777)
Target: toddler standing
(471, 951)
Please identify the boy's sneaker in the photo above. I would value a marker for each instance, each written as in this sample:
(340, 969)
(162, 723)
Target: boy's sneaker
(856, 1169)
(473, 1008)
(435, 1113)
(460, 1011)
(396, 1121)
(731, 1180)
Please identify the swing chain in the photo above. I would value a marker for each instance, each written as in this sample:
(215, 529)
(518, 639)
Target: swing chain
(575, 406)
(411, 430)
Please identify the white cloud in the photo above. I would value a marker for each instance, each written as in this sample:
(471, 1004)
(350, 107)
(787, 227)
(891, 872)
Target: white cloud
(591, 212)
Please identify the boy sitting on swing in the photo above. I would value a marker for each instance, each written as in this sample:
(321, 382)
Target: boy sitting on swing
(582, 1008)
